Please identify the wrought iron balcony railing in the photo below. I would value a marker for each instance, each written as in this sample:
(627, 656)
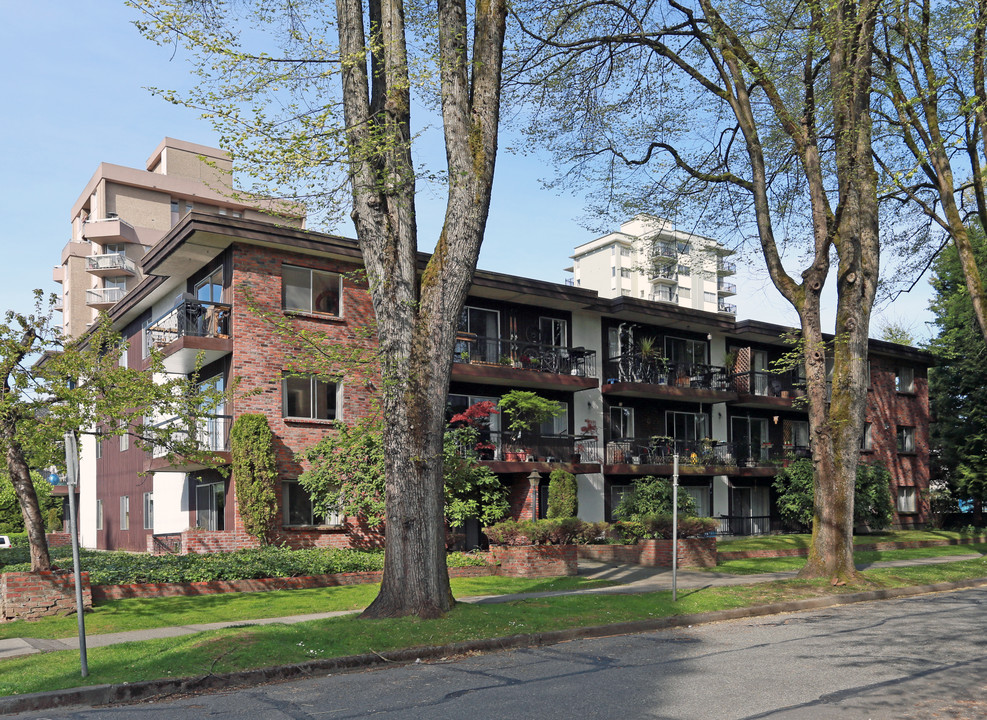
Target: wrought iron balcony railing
(478, 350)
(211, 433)
(633, 367)
(189, 318)
(493, 445)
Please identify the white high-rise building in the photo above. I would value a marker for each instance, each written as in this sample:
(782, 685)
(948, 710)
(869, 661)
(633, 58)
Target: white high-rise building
(649, 259)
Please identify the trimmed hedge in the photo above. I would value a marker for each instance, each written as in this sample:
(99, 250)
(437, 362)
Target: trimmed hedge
(120, 568)
(578, 532)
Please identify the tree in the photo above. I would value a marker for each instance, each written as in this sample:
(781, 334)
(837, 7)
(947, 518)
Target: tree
(365, 128)
(347, 475)
(11, 519)
(563, 494)
(931, 81)
(652, 496)
(872, 494)
(50, 386)
(896, 332)
(722, 112)
(958, 382)
(256, 473)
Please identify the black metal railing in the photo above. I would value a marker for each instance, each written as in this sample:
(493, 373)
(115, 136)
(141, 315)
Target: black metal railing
(492, 445)
(170, 543)
(189, 318)
(633, 367)
(744, 525)
(769, 384)
(478, 350)
(660, 450)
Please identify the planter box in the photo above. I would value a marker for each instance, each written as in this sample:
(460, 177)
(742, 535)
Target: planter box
(31, 595)
(693, 552)
(535, 560)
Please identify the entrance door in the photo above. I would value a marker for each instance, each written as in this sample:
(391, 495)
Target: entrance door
(740, 511)
(210, 506)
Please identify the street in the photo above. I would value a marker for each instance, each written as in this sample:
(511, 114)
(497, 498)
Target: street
(920, 657)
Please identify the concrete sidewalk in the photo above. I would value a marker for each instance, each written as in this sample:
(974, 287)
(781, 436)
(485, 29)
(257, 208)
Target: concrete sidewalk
(631, 579)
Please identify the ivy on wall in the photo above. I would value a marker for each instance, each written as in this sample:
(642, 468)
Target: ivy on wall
(255, 474)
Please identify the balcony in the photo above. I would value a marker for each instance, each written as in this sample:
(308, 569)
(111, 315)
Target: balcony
(110, 265)
(211, 435)
(664, 295)
(496, 361)
(697, 457)
(725, 267)
(503, 452)
(727, 308)
(632, 375)
(764, 389)
(191, 333)
(109, 230)
(724, 288)
(665, 274)
(663, 250)
(104, 298)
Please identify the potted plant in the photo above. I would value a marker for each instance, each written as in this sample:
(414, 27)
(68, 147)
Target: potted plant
(525, 411)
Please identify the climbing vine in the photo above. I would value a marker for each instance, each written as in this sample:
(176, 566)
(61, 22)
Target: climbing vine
(255, 474)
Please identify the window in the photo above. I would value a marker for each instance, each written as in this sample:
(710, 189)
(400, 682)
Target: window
(124, 442)
(685, 293)
(124, 512)
(625, 252)
(618, 493)
(800, 433)
(306, 396)
(311, 290)
(296, 507)
(613, 272)
(625, 273)
(709, 297)
(867, 440)
(553, 331)
(684, 247)
(210, 289)
(684, 270)
(99, 514)
(904, 380)
(210, 506)
(99, 446)
(148, 511)
(687, 426)
(115, 283)
(684, 351)
(621, 422)
(114, 249)
(906, 439)
(485, 324)
(907, 500)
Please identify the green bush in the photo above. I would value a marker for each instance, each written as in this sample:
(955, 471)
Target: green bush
(653, 496)
(563, 500)
(120, 568)
(871, 501)
(564, 531)
(660, 526)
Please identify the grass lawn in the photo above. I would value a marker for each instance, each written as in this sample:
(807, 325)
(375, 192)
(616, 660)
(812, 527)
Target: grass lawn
(243, 648)
(144, 613)
(753, 566)
(775, 542)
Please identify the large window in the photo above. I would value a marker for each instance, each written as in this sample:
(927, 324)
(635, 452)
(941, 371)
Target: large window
(124, 512)
(306, 396)
(210, 289)
(310, 290)
(687, 427)
(904, 379)
(906, 439)
(296, 507)
(907, 500)
(621, 422)
(686, 352)
(553, 331)
(210, 506)
(485, 324)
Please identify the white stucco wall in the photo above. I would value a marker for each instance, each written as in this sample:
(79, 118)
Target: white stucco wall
(171, 502)
(87, 491)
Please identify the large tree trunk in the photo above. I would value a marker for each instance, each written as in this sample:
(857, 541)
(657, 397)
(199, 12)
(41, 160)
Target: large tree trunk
(20, 477)
(417, 321)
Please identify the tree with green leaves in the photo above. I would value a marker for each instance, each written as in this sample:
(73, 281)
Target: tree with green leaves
(50, 386)
(872, 494)
(11, 518)
(563, 494)
(958, 382)
(651, 496)
(749, 120)
(346, 474)
(321, 109)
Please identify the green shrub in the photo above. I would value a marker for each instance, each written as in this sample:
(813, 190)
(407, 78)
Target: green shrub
(255, 473)
(564, 531)
(563, 500)
(871, 501)
(660, 526)
(653, 496)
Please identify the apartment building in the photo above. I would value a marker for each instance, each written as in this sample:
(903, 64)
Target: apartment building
(123, 211)
(649, 259)
(640, 381)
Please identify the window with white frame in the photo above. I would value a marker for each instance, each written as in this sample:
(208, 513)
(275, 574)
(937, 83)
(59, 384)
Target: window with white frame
(625, 252)
(124, 442)
(867, 439)
(709, 297)
(148, 511)
(907, 500)
(99, 514)
(308, 397)
(906, 439)
(124, 512)
(553, 331)
(904, 379)
(313, 291)
(296, 507)
(99, 446)
(621, 422)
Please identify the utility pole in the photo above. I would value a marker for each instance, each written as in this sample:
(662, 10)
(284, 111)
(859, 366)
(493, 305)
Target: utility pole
(72, 480)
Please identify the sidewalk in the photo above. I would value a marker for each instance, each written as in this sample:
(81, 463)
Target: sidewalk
(631, 578)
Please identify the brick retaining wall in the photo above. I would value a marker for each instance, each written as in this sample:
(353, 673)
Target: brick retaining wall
(864, 547)
(693, 552)
(215, 587)
(31, 595)
(535, 560)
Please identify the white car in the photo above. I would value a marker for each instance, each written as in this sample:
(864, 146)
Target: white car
(4, 542)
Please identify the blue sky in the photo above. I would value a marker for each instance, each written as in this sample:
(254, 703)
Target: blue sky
(74, 96)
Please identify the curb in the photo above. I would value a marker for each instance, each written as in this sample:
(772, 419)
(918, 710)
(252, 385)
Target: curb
(150, 690)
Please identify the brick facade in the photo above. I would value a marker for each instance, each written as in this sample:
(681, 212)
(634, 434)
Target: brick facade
(535, 560)
(32, 595)
(692, 552)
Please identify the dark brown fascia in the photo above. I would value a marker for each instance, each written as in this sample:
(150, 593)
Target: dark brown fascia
(771, 333)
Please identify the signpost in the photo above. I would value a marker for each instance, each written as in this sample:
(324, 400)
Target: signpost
(72, 480)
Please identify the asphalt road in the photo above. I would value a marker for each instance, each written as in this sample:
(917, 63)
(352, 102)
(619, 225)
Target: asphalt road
(922, 657)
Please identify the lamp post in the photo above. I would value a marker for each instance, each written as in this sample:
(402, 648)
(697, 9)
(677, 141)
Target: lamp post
(72, 481)
(675, 527)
